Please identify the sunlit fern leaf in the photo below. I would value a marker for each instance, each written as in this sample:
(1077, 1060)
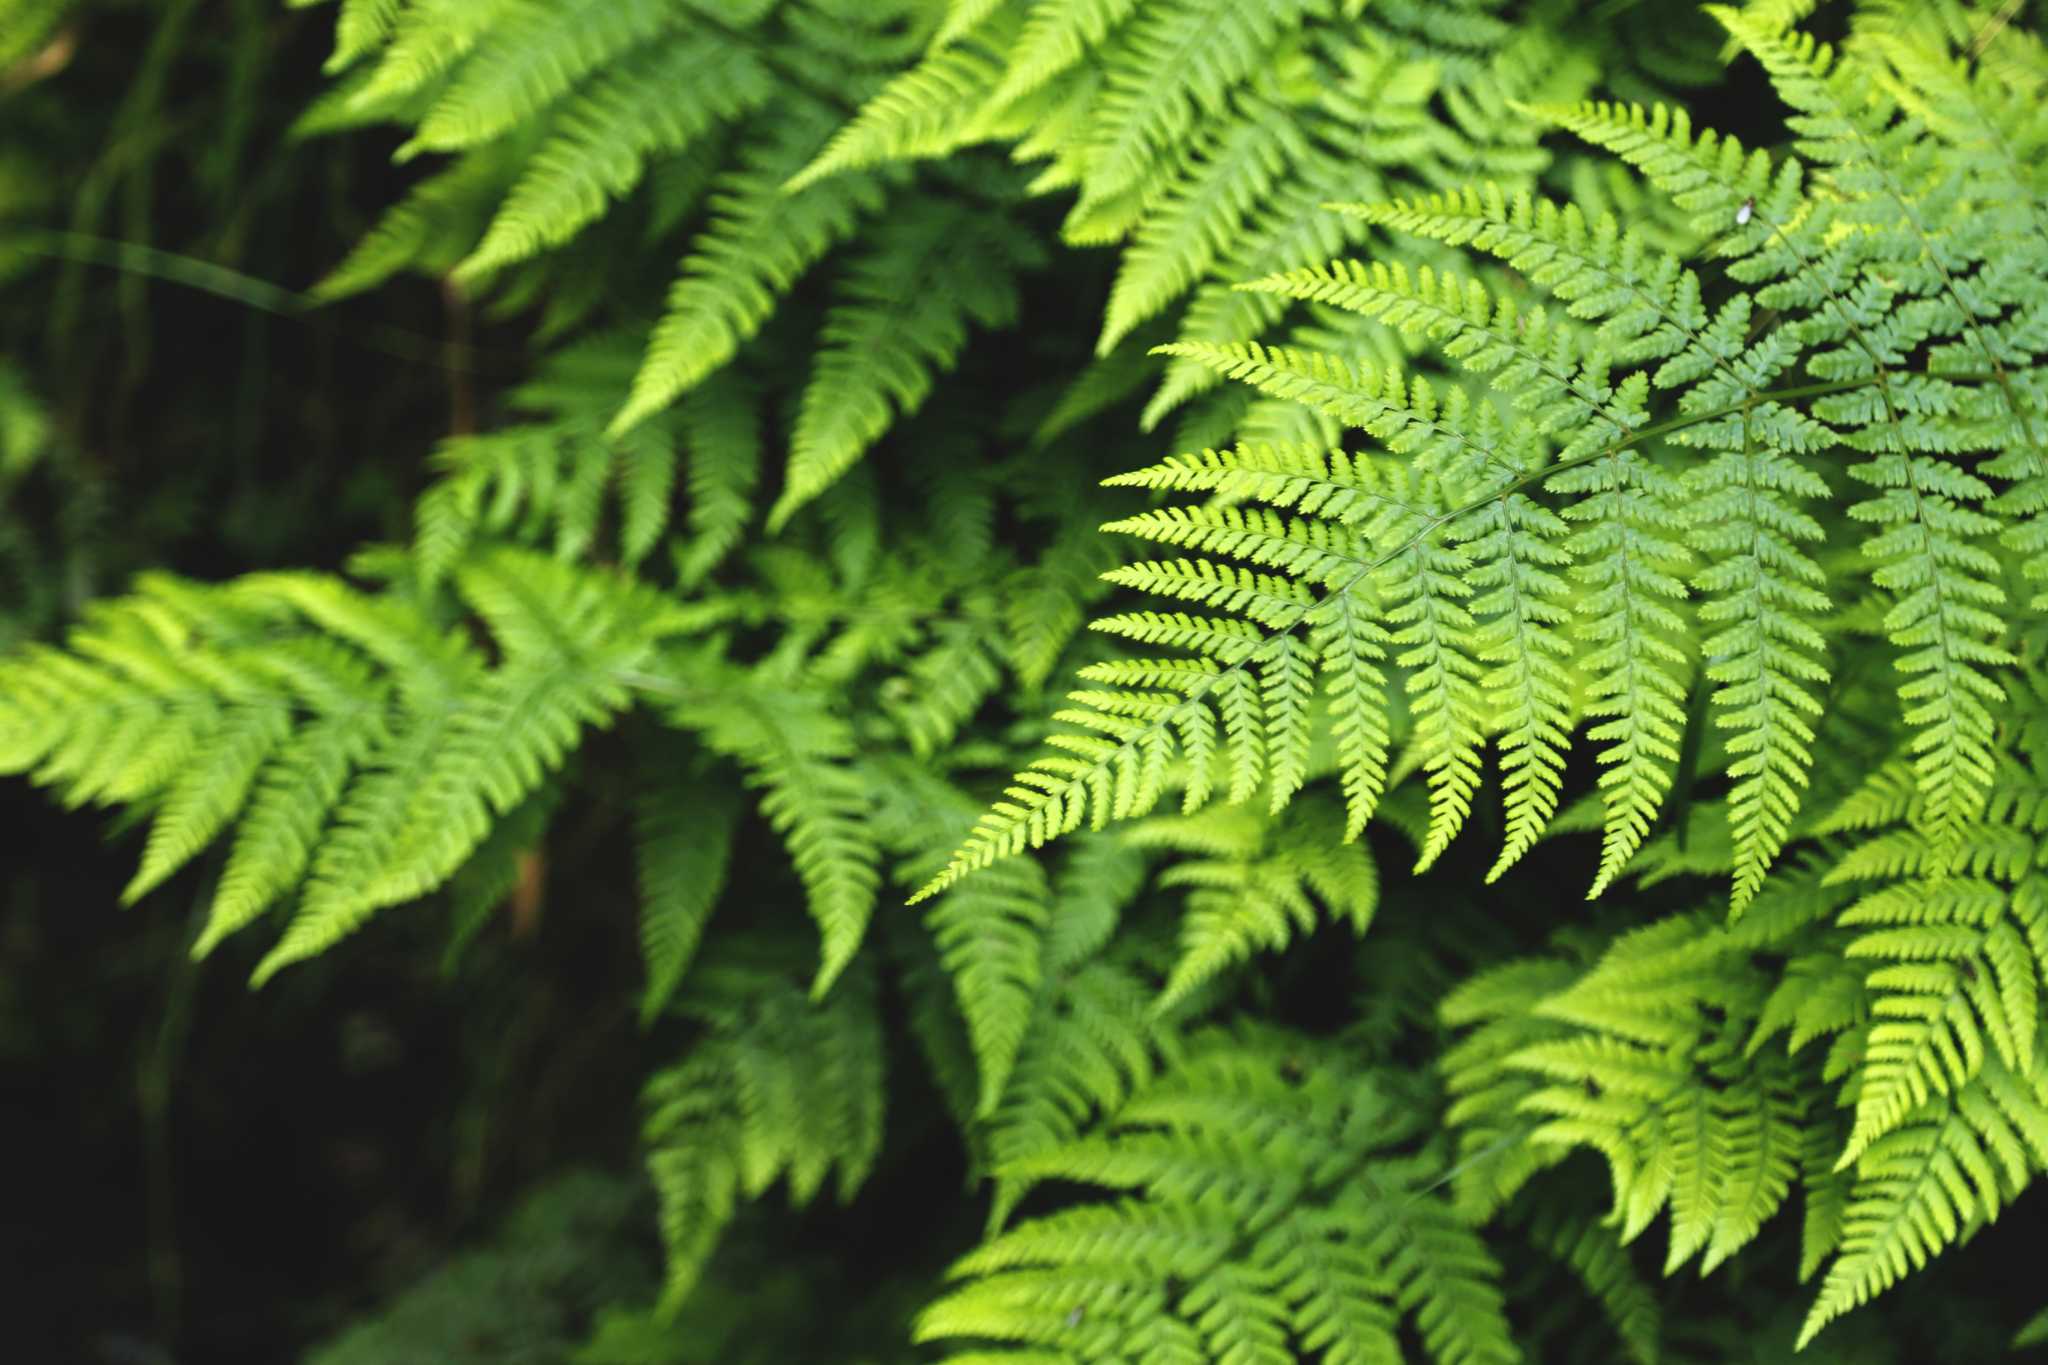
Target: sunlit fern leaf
(1093, 1038)
(903, 306)
(1198, 218)
(683, 845)
(796, 752)
(963, 17)
(926, 111)
(360, 28)
(1950, 948)
(652, 103)
(534, 54)
(355, 747)
(1171, 62)
(428, 38)
(1244, 1235)
(210, 792)
(1254, 882)
(477, 742)
(1487, 1091)
(991, 939)
(435, 225)
(1952, 1167)
(1527, 686)
(780, 1087)
(288, 811)
(1057, 34)
(759, 242)
(721, 427)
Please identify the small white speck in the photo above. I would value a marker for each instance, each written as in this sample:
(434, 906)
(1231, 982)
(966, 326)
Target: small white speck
(1742, 214)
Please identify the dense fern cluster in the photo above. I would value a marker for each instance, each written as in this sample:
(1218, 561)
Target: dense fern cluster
(1699, 489)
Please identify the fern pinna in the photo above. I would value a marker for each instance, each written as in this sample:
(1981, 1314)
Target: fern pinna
(1700, 491)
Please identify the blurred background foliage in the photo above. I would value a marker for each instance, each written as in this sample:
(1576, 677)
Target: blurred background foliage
(193, 1169)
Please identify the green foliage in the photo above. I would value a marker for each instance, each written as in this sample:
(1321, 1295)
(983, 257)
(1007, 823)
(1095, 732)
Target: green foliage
(358, 749)
(1271, 1211)
(1543, 465)
(527, 1296)
(1526, 561)
(776, 1090)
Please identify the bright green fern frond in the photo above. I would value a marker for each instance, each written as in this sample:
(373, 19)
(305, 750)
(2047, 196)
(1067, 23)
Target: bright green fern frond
(1256, 884)
(991, 937)
(1516, 555)
(1952, 1168)
(1198, 218)
(1093, 1039)
(1268, 1216)
(1056, 35)
(1172, 61)
(797, 752)
(361, 27)
(533, 55)
(927, 111)
(904, 306)
(352, 746)
(1960, 947)
(759, 242)
(571, 642)
(781, 1088)
(655, 102)
(428, 38)
(683, 834)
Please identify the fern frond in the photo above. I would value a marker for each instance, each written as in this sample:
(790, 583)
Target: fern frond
(1256, 884)
(403, 829)
(1597, 1257)
(1264, 1202)
(990, 935)
(1919, 1188)
(1092, 1040)
(532, 56)
(436, 225)
(797, 753)
(759, 242)
(361, 27)
(1170, 62)
(926, 111)
(1056, 35)
(1198, 218)
(552, 470)
(655, 102)
(683, 843)
(359, 751)
(781, 1088)
(902, 316)
(427, 41)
